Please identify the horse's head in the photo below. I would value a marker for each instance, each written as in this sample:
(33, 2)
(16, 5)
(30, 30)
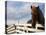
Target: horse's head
(34, 8)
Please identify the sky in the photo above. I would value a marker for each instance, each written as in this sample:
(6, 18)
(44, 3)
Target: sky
(20, 10)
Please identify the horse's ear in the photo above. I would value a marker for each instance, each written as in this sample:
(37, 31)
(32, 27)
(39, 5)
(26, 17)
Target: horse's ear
(37, 7)
(31, 7)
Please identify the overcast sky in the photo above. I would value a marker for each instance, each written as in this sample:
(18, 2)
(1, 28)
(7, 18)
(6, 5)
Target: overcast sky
(20, 10)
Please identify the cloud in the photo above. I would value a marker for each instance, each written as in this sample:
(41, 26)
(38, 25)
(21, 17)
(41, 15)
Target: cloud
(22, 12)
(19, 10)
(22, 8)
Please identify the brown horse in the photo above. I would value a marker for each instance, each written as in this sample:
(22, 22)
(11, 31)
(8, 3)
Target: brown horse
(37, 16)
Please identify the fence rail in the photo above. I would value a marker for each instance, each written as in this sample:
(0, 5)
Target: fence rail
(23, 28)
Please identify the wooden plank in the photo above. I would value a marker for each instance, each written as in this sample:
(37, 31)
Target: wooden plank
(23, 25)
(11, 29)
(10, 26)
(39, 25)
